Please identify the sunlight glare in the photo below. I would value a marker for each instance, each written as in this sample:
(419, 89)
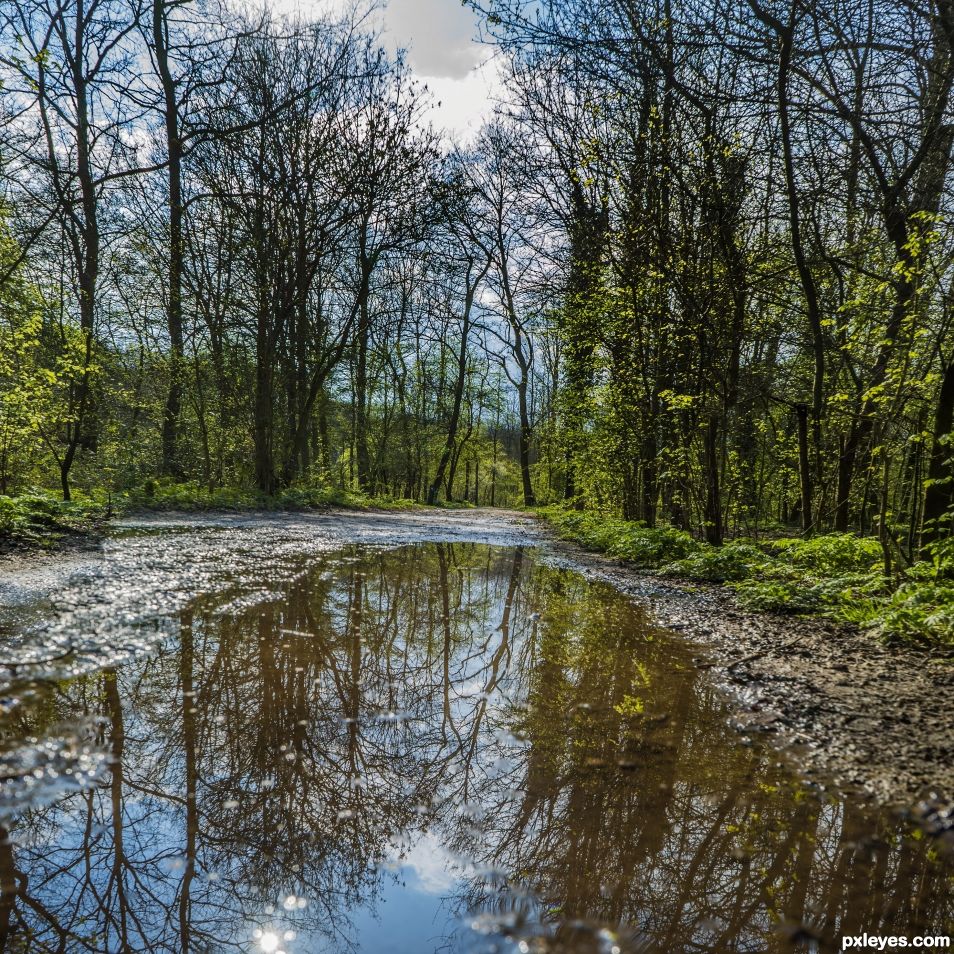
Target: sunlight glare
(269, 942)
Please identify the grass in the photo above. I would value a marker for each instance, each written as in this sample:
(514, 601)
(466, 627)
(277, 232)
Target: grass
(838, 576)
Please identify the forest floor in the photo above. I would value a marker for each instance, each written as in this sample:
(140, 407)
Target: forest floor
(851, 711)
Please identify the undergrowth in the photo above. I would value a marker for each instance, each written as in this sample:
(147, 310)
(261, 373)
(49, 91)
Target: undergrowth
(192, 497)
(40, 519)
(839, 576)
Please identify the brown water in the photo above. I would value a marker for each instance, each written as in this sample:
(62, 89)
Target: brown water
(438, 748)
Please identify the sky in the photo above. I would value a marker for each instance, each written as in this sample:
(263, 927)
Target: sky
(440, 37)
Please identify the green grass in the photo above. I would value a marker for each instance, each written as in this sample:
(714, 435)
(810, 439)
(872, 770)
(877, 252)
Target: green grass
(838, 576)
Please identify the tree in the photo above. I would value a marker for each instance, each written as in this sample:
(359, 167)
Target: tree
(67, 66)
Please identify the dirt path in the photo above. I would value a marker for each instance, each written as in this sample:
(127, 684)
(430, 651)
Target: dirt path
(857, 713)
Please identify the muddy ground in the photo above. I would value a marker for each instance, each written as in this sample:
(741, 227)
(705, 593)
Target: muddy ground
(849, 710)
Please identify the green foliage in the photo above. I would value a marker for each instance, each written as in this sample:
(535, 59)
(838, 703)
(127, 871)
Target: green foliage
(921, 612)
(28, 379)
(834, 575)
(192, 497)
(644, 547)
(306, 498)
(777, 596)
(38, 518)
(830, 554)
(825, 575)
(737, 560)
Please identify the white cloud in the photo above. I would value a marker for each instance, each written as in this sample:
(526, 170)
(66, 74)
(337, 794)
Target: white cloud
(438, 35)
(442, 51)
(432, 865)
(461, 106)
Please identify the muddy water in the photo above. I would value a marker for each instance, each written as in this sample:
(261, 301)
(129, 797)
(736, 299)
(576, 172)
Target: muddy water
(435, 748)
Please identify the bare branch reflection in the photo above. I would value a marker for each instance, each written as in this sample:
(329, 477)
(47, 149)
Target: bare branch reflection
(555, 763)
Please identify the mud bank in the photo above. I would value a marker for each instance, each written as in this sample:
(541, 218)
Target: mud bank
(859, 714)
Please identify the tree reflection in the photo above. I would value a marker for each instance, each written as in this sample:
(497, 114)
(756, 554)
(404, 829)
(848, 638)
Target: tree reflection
(638, 809)
(273, 763)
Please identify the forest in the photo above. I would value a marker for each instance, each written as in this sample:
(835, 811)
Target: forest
(689, 287)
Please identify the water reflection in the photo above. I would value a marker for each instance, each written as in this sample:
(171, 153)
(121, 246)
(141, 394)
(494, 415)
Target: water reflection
(437, 748)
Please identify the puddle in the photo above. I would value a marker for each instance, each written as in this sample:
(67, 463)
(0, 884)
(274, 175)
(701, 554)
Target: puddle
(436, 748)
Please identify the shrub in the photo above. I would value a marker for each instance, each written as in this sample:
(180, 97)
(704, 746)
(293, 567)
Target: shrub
(649, 548)
(38, 517)
(191, 497)
(917, 612)
(12, 516)
(778, 596)
(832, 553)
(629, 540)
(308, 497)
(188, 496)
(835, 575)
(734, 562)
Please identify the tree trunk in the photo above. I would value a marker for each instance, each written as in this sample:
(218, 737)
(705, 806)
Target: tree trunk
(362, 452)
(805, 274)
(846, 471)
(650, 481)
(264, 458)
(804, 467)
(459, 384)
(713, 508)
(86, 247)
(939, 495)
(173, 407)
(525, 437)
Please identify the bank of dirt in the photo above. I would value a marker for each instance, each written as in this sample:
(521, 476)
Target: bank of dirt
(850, 710)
